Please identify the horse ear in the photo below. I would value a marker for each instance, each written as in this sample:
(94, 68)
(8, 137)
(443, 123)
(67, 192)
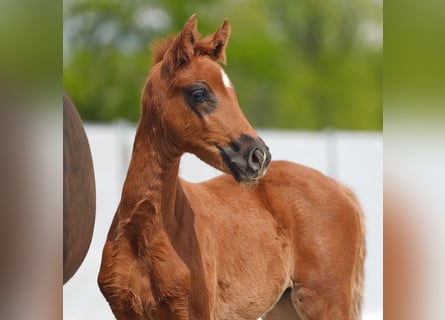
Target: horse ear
(182, 47)
(215, 44)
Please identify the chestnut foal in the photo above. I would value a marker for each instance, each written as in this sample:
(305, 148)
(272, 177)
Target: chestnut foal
(286, 245)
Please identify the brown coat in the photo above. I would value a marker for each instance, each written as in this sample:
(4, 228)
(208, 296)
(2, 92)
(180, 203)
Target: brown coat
(286, 244)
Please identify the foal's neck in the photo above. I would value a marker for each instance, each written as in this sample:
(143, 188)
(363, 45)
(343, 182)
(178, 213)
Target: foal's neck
(152, 174)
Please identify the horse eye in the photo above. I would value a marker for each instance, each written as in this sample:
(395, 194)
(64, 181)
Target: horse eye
(199, 95)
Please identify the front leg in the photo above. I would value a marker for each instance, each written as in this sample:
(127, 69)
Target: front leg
(138, 303)
(147, 287)
(132, 308)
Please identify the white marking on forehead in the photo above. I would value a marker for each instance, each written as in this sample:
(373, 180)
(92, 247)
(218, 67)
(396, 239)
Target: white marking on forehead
(226, 79)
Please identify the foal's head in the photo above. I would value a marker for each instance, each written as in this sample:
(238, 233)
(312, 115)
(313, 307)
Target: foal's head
(189, 98)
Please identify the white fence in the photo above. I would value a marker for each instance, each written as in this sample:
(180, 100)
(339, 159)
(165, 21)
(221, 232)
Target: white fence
(354, 158)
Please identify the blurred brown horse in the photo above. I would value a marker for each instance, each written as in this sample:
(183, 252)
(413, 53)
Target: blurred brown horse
(286, 245)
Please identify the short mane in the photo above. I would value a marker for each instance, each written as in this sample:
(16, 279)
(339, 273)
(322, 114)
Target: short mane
(159, 47)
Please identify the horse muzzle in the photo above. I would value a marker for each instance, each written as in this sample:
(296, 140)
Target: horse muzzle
(247, 158)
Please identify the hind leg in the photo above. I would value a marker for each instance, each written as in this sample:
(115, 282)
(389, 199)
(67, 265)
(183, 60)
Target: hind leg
(310, 304)
(321, 303)
(283, 310)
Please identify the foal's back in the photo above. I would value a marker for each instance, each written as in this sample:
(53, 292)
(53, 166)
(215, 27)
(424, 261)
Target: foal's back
(293, 229)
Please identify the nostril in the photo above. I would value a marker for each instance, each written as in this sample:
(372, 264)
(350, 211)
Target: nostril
(256, 159)
(257, 156)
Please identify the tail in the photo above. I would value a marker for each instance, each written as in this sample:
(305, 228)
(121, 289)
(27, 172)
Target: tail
(359, 268)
